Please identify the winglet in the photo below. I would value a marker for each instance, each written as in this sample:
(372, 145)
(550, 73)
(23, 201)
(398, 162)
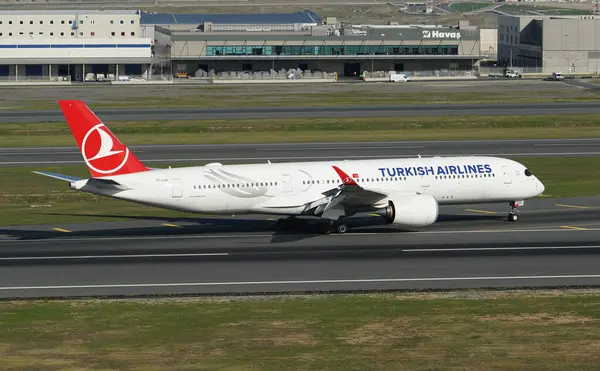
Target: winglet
(346, 179)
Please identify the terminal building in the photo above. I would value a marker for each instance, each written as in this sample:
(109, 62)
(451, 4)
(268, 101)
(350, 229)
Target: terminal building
(309, 44)
(63, 44)
(566, 44)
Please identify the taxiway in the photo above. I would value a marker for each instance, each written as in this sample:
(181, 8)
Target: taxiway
(150, 114)
(237, 153)
(555, 243)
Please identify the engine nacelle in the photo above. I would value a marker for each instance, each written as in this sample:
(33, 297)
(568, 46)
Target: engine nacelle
(410, 211)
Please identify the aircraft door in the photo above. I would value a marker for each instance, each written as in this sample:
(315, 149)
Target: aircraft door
(425, 182)
(287, 183)
(177, 189)
(507, 175)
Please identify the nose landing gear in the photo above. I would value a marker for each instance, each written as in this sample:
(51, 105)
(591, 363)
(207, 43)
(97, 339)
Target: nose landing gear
(513, 215)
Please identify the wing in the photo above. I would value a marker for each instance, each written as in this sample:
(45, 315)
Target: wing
(350, 195)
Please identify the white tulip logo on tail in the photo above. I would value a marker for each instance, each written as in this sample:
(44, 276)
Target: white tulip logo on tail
(102, 152)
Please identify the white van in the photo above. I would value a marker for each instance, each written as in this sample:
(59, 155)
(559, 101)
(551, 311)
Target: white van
(399, 77)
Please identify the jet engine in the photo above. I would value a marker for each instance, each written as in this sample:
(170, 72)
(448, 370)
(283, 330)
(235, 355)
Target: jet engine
(410, 210)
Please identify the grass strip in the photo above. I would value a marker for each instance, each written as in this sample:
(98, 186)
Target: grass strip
(479, 331)
(315, 130)
(217, 97)
(27, 198)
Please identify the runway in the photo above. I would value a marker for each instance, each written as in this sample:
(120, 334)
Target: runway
(153, 114)
(184, 154)
(555, 243)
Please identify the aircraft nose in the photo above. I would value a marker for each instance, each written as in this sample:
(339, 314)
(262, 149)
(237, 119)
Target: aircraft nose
(540, 186)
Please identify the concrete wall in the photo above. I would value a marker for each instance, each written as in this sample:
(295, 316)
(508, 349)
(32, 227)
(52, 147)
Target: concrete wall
(60, 24)
(571, 45)
(488, 41)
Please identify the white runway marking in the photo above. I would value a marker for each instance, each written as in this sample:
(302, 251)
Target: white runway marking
(234, 236)
(133, 256)
(504, 248)
(301, 282)
(138, 238)
(127, 256)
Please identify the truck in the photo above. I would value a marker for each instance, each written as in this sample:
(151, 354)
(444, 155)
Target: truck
(513, 73)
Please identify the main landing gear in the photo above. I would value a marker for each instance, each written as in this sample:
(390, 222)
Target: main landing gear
(513, 215)
(336, 227)
(329, 227)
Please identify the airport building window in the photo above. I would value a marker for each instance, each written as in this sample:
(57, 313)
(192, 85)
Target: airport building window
(333, 50)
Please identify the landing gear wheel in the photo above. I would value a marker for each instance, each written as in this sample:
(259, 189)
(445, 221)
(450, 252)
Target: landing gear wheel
(513, 217)
(341, 228)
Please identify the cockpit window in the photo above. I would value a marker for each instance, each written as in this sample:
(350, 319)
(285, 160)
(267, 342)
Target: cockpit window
(528, 173)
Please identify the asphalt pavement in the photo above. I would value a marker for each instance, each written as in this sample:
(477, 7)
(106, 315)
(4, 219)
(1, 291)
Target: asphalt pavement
(239, 153)
(555, 243)
(150, 114)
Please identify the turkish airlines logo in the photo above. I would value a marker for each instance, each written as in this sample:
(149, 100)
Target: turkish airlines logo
(347, 180)
(100, 151)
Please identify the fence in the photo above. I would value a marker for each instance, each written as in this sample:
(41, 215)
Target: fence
(422, 74)
(283, 74)
(35, 78)
(499, 71)
(89, 78)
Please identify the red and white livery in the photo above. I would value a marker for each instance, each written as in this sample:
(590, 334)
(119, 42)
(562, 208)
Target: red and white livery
(405, 191)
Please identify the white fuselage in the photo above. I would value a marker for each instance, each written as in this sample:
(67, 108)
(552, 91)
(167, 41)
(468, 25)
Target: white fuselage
(286, 188)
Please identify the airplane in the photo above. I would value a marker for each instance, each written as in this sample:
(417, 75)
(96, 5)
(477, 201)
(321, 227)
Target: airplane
(406, 192)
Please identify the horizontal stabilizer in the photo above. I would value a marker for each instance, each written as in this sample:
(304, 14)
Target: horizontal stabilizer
(91, 182)
(66, 178)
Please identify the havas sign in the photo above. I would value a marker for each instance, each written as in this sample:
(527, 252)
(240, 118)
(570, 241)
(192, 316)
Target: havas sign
(428, 34)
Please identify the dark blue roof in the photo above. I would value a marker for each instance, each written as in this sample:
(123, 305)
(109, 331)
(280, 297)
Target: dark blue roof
(305, 16)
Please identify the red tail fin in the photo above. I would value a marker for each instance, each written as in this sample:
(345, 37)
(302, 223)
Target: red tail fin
(101, 150)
